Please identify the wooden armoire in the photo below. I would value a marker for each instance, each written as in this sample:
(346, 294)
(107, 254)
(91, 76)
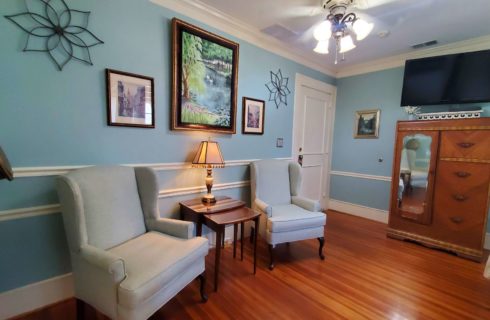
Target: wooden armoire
(441, 183)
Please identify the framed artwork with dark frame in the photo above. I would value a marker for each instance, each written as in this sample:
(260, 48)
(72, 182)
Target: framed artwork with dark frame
(130, 100)
(253, 116)
(204, 80)
(367, 124)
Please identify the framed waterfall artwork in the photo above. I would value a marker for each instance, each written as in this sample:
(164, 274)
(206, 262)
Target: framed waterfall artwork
(130, 100)
(204, 80)
(367, 124)
(253, 116)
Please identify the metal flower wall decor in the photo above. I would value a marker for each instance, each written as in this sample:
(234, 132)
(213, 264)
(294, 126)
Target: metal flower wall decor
(278, 89)
(54, 28)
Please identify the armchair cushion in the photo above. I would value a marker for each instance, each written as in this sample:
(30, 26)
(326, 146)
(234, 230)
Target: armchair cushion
(152, 261)
(291, 217)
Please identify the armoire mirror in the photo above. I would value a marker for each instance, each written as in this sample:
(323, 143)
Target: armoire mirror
(414, 186)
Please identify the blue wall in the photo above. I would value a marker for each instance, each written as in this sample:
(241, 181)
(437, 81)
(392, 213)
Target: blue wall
(376, 90)
(51, 118)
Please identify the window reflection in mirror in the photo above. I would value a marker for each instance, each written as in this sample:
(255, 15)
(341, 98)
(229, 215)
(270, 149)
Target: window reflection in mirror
(414, 173)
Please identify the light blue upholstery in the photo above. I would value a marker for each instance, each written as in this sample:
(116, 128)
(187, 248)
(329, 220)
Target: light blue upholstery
(286, 216)
(127, 261)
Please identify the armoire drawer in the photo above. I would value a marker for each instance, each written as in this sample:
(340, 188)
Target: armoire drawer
(460, 202)
(465, 144)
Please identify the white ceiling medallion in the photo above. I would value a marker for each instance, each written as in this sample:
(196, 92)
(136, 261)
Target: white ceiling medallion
(340, 25)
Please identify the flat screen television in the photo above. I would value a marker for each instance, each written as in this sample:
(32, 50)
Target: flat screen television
(450, 79)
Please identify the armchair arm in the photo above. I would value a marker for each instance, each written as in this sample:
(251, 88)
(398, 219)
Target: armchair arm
(262, 206)
(106, 261)
(305, 203)
(173, 227)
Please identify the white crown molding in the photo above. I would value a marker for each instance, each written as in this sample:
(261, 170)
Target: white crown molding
(360, 175)
(36, 295)
(27, 172)
(213, 17)
(358, 210)
(475, 44)
(29, 212)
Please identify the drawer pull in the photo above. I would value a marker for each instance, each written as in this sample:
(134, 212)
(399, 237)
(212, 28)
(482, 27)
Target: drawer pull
(462, 174)
(456, 219)
(460, 197)
(466, 145)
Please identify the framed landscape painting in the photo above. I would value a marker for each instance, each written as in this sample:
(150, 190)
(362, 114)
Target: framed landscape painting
(253, 116)
(130, 100)
(367, 124)
(204, 80)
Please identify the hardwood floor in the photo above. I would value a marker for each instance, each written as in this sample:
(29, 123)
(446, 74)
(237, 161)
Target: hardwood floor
(364, 276)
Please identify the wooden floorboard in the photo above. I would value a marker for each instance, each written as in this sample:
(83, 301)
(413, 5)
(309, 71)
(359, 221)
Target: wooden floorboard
(364, 276)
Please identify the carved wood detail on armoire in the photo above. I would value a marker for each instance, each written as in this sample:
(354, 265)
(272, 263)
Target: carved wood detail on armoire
(440, 184)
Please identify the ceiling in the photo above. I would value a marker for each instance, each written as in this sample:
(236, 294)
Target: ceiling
(408, 22)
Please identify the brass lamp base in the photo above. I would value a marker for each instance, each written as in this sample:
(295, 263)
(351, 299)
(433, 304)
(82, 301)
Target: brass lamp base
(209, 198)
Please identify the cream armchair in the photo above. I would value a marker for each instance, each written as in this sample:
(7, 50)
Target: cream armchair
(127, 261)
(286, 216)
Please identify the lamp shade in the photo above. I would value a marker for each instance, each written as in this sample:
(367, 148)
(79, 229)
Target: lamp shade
(362, 29)
(346, 44)
(322, 47)
(323, 31)
(208, 156)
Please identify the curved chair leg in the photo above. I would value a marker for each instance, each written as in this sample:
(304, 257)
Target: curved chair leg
(271, 252)
(202, 289)
(320, 250)
(80, 309)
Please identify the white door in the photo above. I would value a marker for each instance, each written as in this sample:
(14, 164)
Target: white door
(313, 128)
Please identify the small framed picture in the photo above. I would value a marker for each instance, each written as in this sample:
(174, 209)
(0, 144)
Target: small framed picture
(367, 124)
(253, 116)
(130, 100)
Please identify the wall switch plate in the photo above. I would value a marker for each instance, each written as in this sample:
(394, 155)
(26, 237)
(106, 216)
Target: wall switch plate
(280, 142)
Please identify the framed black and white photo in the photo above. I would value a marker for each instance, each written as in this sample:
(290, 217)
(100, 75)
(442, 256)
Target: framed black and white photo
(130, 100)
(253, 116)
(367, 124)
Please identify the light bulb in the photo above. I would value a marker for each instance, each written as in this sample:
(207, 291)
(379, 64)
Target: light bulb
(322, 47)
(362, 29)
(323, 31)
(346, 44)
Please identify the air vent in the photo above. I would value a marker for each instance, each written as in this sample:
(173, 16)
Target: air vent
(425, 44)
(279, 32)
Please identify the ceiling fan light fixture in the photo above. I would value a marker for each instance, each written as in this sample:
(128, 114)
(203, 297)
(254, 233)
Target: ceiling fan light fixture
(362, 29)
(322, 47)
(323, 31)
(346, 44)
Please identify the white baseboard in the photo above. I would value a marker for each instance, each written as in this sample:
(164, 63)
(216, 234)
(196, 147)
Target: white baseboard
(374, 214)
(358, 210)
(35, 296)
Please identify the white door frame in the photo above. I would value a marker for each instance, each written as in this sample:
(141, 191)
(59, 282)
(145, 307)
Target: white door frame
(305, 81)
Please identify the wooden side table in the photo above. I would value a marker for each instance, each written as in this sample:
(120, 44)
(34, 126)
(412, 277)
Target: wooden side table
(216, 216)
(218, 222)
(194, 210)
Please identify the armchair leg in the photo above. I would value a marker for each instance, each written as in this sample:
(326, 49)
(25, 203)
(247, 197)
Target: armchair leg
(202, 288)
(271, 252)
(80, 309)
(320, 250)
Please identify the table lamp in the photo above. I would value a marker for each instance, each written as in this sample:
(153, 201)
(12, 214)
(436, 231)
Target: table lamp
(208, 156)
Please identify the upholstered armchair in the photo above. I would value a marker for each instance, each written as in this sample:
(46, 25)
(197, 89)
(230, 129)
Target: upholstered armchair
(286, 216)
(127, 261)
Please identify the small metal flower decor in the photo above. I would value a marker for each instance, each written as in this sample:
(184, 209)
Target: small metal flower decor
(278, 89)
(54, 28)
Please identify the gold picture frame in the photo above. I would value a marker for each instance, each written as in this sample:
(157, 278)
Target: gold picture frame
(367, 124)
(204, 66)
